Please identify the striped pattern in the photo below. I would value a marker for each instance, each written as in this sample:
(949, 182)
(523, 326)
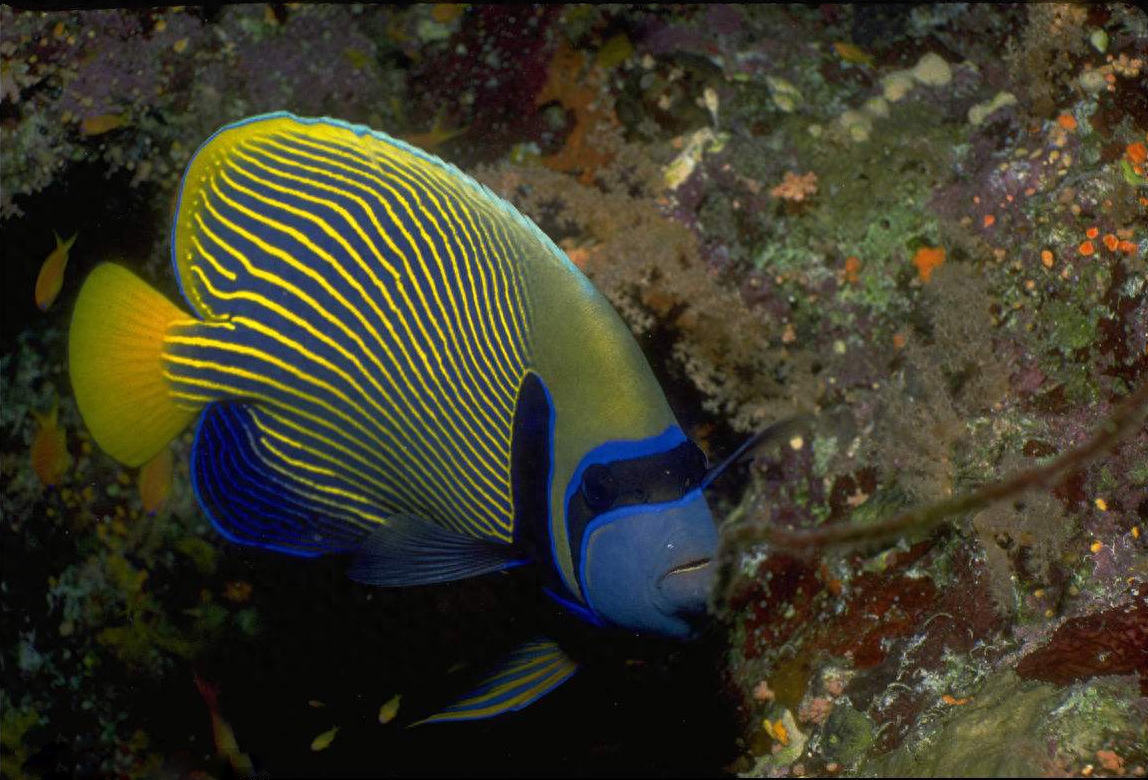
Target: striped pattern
(247, 488)
(528, 674)
(366, 305)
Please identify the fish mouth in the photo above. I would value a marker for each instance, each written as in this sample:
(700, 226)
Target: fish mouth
(683, 592)
(690, 566)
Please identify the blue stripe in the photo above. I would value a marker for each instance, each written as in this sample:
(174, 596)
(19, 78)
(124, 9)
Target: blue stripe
(509, 682)
(426, 217)
(428, 278)
(394, 246)
(235, 494)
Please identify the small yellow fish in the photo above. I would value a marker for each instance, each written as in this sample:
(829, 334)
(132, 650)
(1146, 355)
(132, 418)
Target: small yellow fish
(50, 457)
(238, 591)
(103, 123)
(614, 52)
(154, 481)
(436, 136)
(324, 740)
(853, 53)
(51, 277)
(444, 13)
(226, 745)
(390, 709)
(358, 58)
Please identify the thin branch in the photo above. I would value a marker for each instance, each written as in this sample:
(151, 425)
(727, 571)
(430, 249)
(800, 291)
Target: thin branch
(1129, 415)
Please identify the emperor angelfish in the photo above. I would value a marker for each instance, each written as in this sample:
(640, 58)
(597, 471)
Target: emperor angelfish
(386, 359)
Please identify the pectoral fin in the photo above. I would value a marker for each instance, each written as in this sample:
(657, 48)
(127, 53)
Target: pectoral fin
(408, 550)
(525, 676)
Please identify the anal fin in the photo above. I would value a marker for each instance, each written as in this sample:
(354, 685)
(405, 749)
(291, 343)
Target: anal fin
(530, 672)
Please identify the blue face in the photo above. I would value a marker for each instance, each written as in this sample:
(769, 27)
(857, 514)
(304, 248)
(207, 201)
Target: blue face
(649, 568)
(644, 536)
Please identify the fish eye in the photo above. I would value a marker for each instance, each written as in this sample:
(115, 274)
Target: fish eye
(599, 489)
(695, 468)
(698, 460)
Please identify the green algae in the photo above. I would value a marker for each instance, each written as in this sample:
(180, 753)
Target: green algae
(15, 724)
(1007, 728)
(873, 203)
(825, 451)
(1071, 328)
(1096, 715)
(848, 735)
(202, 553)
(990, 736)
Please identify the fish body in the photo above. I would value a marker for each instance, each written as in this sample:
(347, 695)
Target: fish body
(438, 134)
(390, 709)
(226, 745)
(324, 740)
(387, 360)
(49, 455)
(103, 123)
(51, 277)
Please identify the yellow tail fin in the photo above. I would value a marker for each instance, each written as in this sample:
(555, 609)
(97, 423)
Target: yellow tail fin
(115, 350)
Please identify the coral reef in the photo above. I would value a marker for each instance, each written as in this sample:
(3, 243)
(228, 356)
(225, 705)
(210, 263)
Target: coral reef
(862, 213)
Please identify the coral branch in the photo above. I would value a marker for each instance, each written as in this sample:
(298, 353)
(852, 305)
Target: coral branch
(737, 535)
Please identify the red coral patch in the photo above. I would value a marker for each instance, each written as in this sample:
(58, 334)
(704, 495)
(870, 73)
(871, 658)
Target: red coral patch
(1111, 642)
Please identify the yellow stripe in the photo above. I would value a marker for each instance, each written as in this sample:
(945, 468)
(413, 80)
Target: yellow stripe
(509, 287)
(383, 233)
(487, 297)
(541, 678)
(454, 262)
(400, 174)
(486, 206)
(343, 495)
(241, 349)
(492, 234)
(395, 502)
(230, 391)
(290, 316)
(417, 504)
(359, 519)
(432, 179)
(293, 369)
(504, 460)
(405, 204)
(351, 252)
(276, 252)
(194, 402)
(472, 231)
(230, 370)
(244, 393)
(272, 333)
(378, 495)
(446, 182)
